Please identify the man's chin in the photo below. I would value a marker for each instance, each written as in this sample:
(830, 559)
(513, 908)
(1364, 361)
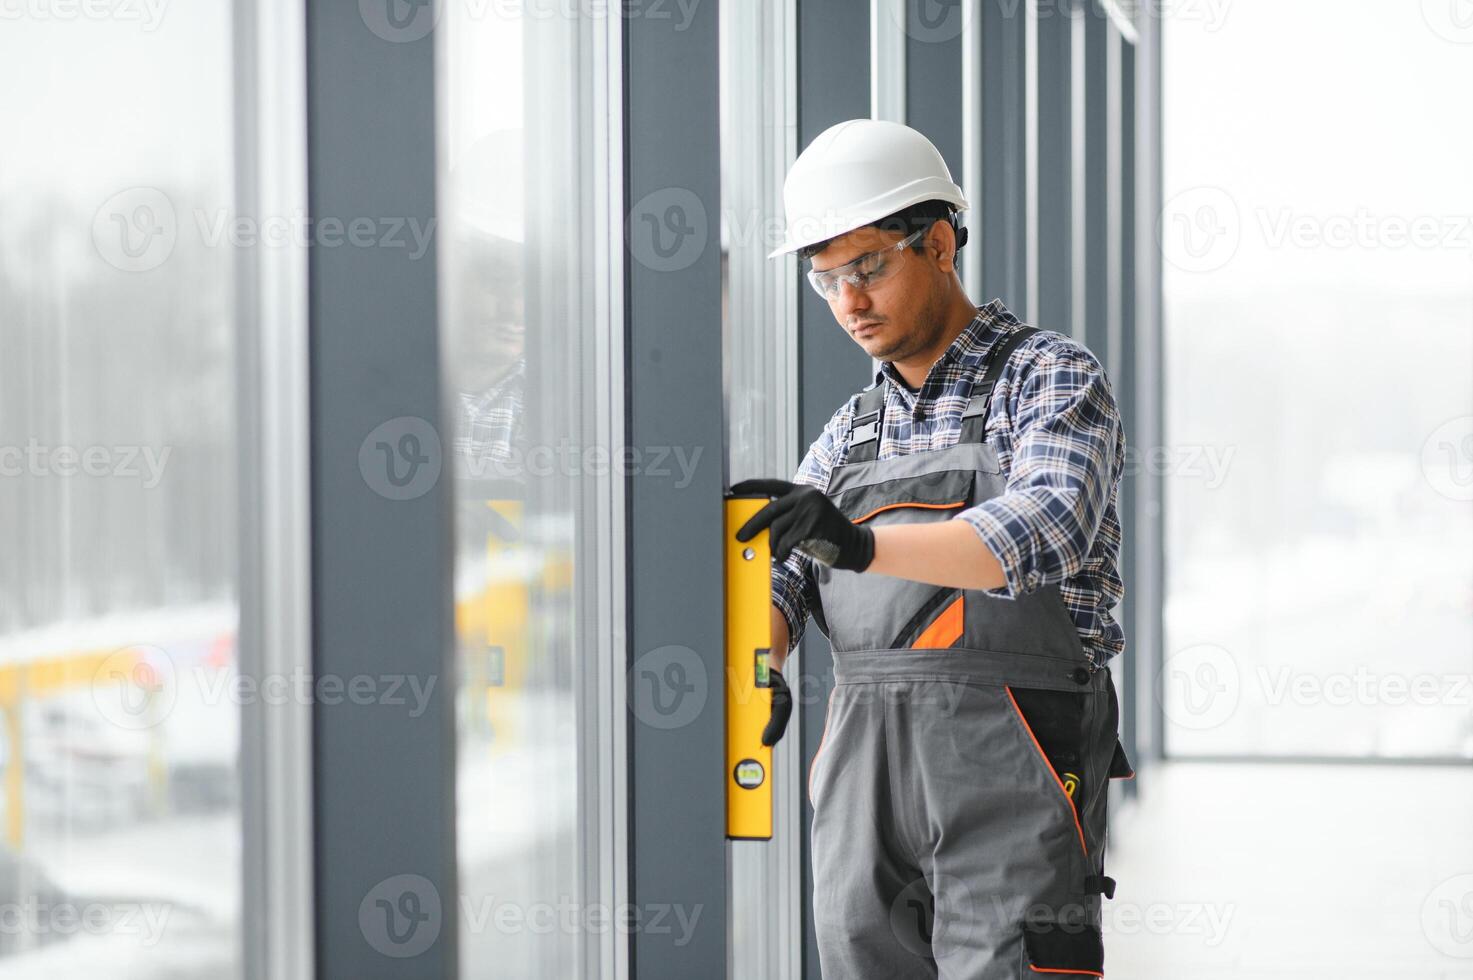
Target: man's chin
(879, 350)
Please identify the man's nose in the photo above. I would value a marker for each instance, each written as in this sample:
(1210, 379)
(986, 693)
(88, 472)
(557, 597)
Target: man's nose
(850, 302)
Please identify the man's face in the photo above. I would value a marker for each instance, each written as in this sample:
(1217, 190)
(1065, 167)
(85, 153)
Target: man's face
(899, 315)
(492, 331)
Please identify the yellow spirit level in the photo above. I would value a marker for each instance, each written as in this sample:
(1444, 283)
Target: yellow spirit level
(748, 688)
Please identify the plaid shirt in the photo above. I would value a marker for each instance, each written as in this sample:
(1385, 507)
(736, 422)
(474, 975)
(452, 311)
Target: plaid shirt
(490, 438)
(1057, 434)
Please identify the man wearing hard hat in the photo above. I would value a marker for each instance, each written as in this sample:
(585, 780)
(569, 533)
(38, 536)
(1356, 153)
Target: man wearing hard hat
(954, 533)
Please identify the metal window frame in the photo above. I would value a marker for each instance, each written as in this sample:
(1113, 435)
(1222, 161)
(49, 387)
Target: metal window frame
(604, 746)
(1078, 168)
(933, 71)
(759, 327)
(672, 327)
(887, 59)
(1030, 161)
(274, 530)
(1000, 145)
(1053, 196)
(1096, 181)
(832, 86)
(373, 315)
(1127, 381)
(971, 169)
(1149, 511)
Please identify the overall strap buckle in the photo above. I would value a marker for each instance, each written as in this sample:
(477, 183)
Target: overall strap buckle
(863, 443)
(974, 416)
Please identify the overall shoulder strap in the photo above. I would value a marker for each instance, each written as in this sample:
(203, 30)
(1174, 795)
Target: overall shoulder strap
(974, 416)
(864, 431)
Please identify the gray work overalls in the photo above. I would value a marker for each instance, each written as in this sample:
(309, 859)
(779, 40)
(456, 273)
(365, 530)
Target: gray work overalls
(959, 789)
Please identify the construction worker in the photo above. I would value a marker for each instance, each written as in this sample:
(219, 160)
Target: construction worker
(953, 531)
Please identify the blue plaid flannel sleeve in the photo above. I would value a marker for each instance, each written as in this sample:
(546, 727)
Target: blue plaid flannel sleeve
(1066, 441)
(793, 585)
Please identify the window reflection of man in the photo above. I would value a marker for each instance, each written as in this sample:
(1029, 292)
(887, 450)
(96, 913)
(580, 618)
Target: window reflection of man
(487, 359)
(486, 368)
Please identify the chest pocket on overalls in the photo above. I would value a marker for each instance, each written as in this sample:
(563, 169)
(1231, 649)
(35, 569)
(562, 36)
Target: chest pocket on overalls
(946, 490)
(879, 612)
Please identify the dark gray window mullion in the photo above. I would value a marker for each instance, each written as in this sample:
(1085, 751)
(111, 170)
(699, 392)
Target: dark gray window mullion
(1055, 163)
(1097, 240)
(1003, 195)
(1126, 383)
(933, 76)
(677, 779)
(833, 85)
(384, 799)
(1150, 361)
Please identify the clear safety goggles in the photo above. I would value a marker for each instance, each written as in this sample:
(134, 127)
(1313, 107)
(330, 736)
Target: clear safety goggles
(863, 272)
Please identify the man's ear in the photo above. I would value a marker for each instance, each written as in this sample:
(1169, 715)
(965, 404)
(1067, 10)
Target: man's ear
(943, 238)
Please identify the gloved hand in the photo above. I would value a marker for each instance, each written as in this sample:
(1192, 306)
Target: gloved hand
(782, 709)
(803, 518)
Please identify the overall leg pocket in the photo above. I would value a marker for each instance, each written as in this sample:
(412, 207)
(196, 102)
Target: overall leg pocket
(1056, 948)
(1053, 723)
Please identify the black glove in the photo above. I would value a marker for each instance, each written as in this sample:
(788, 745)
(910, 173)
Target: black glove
(803, 518)
(782, 709)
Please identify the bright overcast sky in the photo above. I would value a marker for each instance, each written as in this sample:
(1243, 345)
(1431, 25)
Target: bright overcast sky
(1323, 109)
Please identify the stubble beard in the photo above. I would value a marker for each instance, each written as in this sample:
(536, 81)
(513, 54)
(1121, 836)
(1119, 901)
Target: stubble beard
(928, 329)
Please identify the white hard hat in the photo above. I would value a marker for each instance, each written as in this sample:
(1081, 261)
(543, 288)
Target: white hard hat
(857, 172)
(487, 186)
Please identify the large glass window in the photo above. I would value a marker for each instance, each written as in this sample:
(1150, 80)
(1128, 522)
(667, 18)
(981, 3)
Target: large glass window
(529, 354)
(759, 322)
(1319, 317)
(120, 842)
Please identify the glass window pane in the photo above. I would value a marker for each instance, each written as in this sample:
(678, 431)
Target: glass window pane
(527, 369)
(121, 831)
(759, 294)
(1319, 302)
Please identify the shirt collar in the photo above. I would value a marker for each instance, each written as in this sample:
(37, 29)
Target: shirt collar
(482, 400)
(970, 346)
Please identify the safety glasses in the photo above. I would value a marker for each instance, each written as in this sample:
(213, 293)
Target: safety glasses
(863, 272)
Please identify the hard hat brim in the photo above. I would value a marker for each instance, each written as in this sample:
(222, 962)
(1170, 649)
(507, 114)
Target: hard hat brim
(812, 231)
